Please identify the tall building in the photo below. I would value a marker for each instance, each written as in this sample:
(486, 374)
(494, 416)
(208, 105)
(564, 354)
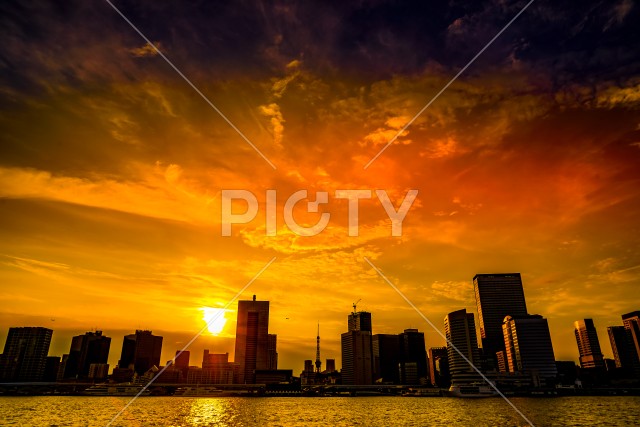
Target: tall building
(182, 359)
(272, 352)
(413, 357)
(460, 330)
(357, 358)
(622, 347)
(588, 344)
(357, 349)
(252, 339)
(386, 358)
(439, 367)
(631, 322)
(140, 351)
(25, 354)
(87, 349)
(497, 296)
(360, 321)
(330, 366)
(528, 347)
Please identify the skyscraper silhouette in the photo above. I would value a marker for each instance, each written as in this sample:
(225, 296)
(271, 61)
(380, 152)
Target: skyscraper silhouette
(25, 354)
(140, 351)
(588, 344)
(623, 349)
(92, 347)
(413, 357)
(252, 339)
(631, 322)
(357, 351)
(528, 346)
(497, 296)
(460, 330)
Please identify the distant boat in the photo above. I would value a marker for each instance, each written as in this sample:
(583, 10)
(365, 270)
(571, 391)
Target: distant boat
(124, 389)
(471, 390)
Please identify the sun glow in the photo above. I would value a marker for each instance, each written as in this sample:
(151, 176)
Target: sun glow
(215, 319)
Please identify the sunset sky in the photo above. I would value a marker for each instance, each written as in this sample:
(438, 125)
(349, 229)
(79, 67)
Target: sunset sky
(112, 166)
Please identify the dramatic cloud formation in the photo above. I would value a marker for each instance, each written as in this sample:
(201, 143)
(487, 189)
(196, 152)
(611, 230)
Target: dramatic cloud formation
(112, 167)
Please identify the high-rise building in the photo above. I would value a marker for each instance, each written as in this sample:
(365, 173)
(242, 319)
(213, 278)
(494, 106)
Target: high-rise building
(497, 296)
(330, 366)
(460, 330)
(272, 352)
(25, 354)
(140, 351)
(181, 361)
(528, 347)
(92, 347)
(413, 356)
(439, 367)
(357, 350)
(622, 347)
(386, 357)
(357, 358)
(252, 339)
(631, 322)
(588, 344)
(360, 321)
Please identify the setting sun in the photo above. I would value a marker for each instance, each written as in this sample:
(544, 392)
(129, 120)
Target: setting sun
(215, 319)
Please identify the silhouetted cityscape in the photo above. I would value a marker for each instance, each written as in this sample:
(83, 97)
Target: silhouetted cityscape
(516, 355)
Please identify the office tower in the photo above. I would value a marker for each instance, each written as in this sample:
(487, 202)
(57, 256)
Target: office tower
(331, 365)
(528, 346)
(140, 351)
(318, 361)
(460, 330)
(622, 347)
(272, 352)
(357, 351)
(386, 357)
(413, 354)
(181, 362)
(252, 339)
(25, 354)
(497, 296)
(360, 321)
(439, 367)
(92, 347)
(588, 344)
(631, 322)
(357, 355)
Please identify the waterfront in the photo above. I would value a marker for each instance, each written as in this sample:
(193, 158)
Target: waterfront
(330, 411)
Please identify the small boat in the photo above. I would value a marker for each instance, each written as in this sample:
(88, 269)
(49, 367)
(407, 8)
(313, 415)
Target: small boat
(124, 389)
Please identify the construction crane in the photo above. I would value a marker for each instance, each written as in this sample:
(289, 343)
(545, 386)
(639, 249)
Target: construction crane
(354, 305)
